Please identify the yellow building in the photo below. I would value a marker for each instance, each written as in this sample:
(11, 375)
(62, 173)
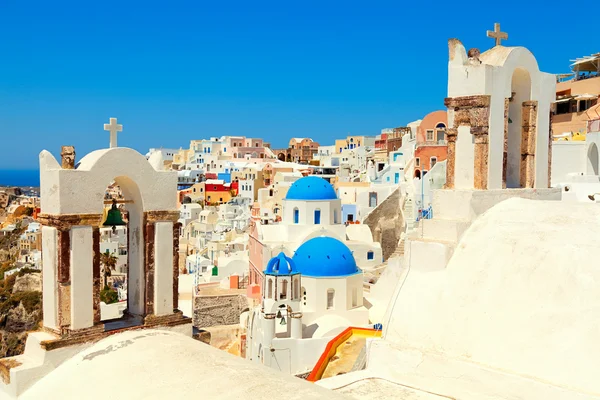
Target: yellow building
(353, 142)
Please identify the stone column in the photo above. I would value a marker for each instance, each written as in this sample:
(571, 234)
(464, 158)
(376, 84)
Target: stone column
(176, 228)
(550, 150)
(161, 261)
(68, 257)
(451, 135)
(97, 281)
(528, 142)
(63, 272)
(472, 111)
(149, 265)
(82, 282)
(505, 151)
(481, 157)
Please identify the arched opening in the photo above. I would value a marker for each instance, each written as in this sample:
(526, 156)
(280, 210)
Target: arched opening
(417, 173)
(269, 288)
(121, 262)
(284, 287)
(296, 215)
(592, 159)
(440, 132)
(281, 157)
(521, 92)
(330, 298)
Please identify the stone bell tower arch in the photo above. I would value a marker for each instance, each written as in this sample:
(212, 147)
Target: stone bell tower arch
(70, 195)
(499, 105)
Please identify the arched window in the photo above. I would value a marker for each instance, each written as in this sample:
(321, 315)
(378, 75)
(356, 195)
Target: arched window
(440, 132)
(284, 287)
(296, 289)
(270, 288)
(317, 216)
(296, 215)
(330, 298)
(335, 217)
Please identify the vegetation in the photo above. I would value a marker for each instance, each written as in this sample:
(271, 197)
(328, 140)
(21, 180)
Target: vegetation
(15, 322)
(108, 296)
(110, 264)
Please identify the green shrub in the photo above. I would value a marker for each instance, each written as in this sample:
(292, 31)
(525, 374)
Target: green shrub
(109, 296)
(31, 300)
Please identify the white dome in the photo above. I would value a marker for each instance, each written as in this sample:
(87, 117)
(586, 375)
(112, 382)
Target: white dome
(520, 294)
(153, 364)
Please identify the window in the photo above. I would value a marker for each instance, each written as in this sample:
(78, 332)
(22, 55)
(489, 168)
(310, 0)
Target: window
(330, 298)
(354, 297)
(350, 217)
(270, 288)
(440, 130)
(429, 136)
(317, 217)
(373, 199)
(283, 293)
(417, 162)
(296, 289)
(432, 162)
(370, 255)
(335, 216)
(296, 215)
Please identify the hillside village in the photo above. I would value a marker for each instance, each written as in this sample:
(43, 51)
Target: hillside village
(375, 265)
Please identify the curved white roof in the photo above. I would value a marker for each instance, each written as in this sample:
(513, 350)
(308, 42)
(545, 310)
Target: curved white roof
(520, 294)
(153, 364)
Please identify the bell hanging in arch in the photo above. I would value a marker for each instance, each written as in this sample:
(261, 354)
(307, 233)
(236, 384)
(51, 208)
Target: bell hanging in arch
(114, 217)
(282, 322)
(279, 314)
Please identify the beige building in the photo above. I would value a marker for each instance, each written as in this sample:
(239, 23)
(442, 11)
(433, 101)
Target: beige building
(353, 142)
(577, 97)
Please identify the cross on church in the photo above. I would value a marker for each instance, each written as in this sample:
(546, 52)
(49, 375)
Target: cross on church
(497, 34)
(113, 128)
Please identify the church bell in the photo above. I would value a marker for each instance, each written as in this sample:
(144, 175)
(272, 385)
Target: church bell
(282, 322)
(114, 218)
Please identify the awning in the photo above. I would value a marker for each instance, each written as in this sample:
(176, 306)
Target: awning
(586, 96)
(563, 100)
(561, 135)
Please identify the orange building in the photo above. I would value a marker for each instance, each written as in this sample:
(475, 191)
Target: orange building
(431, 146)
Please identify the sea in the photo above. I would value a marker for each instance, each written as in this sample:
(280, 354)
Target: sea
(20, 177)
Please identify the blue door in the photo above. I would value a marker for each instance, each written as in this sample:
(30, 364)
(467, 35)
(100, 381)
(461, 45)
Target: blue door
(317, 217)
(397, 177)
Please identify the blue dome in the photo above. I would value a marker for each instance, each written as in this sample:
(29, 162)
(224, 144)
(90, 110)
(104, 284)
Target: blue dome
(311, 188)
(281, 265)
(325, 257)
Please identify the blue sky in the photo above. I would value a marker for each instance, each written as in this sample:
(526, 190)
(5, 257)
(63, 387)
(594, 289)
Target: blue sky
(180, 70)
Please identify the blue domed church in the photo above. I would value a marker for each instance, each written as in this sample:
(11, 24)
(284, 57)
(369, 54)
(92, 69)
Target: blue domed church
(311, 283)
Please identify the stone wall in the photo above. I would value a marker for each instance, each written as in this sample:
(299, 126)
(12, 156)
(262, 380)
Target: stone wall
(218, 310)
(386, 223)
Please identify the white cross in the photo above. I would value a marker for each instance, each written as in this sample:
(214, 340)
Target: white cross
(496, 34)
(113, 128)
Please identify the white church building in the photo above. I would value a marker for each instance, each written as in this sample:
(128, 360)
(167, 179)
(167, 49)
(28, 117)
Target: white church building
(307, 300)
